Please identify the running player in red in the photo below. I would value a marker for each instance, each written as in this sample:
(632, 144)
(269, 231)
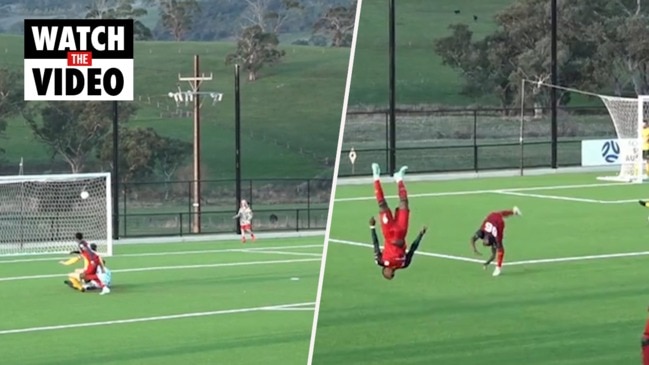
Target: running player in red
(405, 261)
(644, 343)
(394, 226)
(492, 232)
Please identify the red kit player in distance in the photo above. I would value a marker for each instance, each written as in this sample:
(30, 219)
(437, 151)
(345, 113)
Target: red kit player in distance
(492, 233)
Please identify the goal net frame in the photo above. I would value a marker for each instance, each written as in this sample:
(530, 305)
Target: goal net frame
(632, 169)
(63, 242)
(628, 135)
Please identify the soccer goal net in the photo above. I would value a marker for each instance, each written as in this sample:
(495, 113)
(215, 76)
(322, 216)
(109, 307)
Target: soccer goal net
(628, 116)
(40, 214)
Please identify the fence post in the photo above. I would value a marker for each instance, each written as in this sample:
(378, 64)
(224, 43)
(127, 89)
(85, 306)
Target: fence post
(475, 140)
(308, 203)
(387, 141)
(124, 187)
(180, 219)
(297, 220)
(250, 192)
(189, 201)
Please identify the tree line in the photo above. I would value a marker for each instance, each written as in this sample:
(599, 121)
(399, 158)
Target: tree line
(80, 132)
(601, 47)
(203, 20)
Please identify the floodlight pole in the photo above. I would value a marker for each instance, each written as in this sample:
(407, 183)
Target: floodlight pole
(553, 91)
(237, 140)
(115, 177)
(392, 88)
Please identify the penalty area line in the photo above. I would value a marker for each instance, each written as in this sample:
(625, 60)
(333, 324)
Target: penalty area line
(513, 263)
(418, 252)
(477, 192)
(172, 253)
(292, 306)
(163, 268)
(577, 258)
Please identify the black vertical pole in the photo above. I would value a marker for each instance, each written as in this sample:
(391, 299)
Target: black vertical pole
(553, 90)
(115, 177)
(393, 133)
(237, 139)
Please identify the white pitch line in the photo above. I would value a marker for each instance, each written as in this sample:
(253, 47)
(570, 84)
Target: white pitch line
(152, 319)
(577, 258)
(163, 268)
(474, 192)
(170, 253)
(550, 197)
(422, 253)
(288, 253)
(513, 263)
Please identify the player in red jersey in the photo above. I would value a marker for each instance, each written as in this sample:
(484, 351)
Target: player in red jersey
(644, 344)
(492, 232)
(394, 226)
(92, 261)
(401, 262)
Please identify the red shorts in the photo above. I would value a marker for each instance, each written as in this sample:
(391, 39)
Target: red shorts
(246, 227)
(645, 352)
(394, 227)
(90, 270)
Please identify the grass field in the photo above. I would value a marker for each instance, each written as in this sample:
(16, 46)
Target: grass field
(278, 110)
(573, 288)
(191, 303)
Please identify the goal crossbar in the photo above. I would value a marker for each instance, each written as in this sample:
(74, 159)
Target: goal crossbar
(39, 214)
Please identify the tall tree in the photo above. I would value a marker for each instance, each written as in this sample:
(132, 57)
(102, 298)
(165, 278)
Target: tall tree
(170, 154)
(337, 23)
(177, 16)
(122, 9)
(73, 129)
(137, 150)
(256, 49)
(11, 97)
(271, 15)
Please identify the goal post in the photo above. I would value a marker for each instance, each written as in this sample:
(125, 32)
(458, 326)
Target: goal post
(628, 116)
(39, 214)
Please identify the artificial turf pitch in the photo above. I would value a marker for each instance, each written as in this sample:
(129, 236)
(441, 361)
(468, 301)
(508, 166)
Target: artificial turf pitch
(557, 302)
(183, 303)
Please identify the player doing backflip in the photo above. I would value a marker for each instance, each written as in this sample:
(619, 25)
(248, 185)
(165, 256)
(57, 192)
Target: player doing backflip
(378, 255)
(492, 232)
(393, 226)
(245, 220)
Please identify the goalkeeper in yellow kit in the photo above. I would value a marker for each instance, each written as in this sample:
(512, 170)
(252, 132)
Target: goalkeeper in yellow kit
(80, 278)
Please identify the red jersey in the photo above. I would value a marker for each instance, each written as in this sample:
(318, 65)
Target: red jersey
(494, 225)
(394, 256)
(646, 329)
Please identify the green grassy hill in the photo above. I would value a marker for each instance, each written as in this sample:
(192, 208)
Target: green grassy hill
(290, 116)
(421, 77)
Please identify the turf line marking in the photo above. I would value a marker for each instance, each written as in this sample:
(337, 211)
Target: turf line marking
(289, 253)
(163, 268)
(513, 263)
(474, 192)
(422, 253)
(170, 253)
(577, 258)
(550, 197)
(152, 319)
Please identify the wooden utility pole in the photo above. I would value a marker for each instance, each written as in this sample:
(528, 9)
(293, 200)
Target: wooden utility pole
(195, 83)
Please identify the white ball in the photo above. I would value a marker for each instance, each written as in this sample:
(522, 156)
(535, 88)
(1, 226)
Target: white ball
(84, 195)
